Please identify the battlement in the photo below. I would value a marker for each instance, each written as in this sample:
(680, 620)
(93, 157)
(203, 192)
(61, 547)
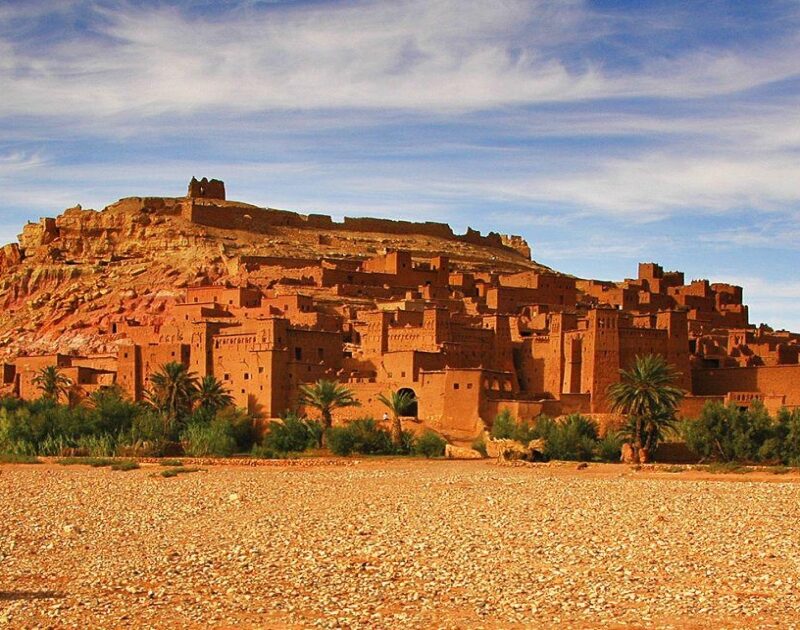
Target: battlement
(206, 189)
(200, 207)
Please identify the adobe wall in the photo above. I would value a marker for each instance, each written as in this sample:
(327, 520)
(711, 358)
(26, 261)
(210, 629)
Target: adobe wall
(768, 380)
(251, 218)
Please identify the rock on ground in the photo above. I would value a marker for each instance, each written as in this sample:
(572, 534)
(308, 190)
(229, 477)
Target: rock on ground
(412, 544)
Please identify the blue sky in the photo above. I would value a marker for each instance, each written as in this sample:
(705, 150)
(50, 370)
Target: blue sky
(606, 133)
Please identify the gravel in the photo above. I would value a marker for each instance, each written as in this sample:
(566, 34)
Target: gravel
(388, 544)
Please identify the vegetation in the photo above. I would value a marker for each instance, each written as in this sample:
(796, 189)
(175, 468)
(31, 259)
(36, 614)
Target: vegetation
(179, 470)
(574, 438)
(125, 465)
(9, 458)
(398, 402)
(480, 445)
(430, 444)
(506, 427)
(52, 383)
(364, 436)
(106, 424)
(173, 390)
(292, 434)
(647, 395)
(326, 397)
(729, 434)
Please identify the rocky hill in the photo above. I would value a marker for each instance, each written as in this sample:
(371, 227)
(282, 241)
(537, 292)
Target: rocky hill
(69, 278)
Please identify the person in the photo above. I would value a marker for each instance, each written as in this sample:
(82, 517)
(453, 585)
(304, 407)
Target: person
(385, 416)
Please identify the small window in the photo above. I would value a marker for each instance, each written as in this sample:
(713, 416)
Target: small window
(469, 385)
(246, 376)
(298, 353)
(455, 386)
(261, 370)
(402, 374)
(226, 377)
(321, 353)
(243, 391)
(126, 355)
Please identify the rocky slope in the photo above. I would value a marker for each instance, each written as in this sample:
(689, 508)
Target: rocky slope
(70, 277)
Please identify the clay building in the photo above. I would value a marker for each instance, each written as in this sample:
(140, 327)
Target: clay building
(467, 340)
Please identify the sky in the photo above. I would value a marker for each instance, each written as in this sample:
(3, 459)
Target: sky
(605, 132)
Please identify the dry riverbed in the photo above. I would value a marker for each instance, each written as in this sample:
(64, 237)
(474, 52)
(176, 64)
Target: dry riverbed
(397, 544)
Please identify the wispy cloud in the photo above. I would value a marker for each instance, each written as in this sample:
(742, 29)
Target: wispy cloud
(413, 54)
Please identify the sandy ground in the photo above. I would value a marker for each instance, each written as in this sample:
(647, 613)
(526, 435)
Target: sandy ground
(387, 544)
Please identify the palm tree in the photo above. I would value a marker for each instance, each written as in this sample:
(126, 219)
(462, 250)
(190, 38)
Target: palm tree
(647, 395)
(173, 388)
(212, 394)
(327, 396)
(398, 403)
(52, 383)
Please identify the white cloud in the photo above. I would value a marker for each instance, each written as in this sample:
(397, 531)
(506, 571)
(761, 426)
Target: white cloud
(415, 54)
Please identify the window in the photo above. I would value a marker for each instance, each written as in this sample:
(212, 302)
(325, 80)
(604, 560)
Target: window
(469, 385)
(246, 376)
(226, 377)
(298, 353)
(402, 374)
(261, 370)
(320, 353)
(455, 386)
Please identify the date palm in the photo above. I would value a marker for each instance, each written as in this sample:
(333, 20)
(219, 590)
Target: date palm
(398, 403)
(327, 396)
(212, 394)
(172, 390)
(647, 395)
(52, 383)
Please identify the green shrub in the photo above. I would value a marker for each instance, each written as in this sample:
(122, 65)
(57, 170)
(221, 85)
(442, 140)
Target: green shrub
(430, 444)
(242, 426)
(728, 434)
(11, 458)
(125, 465)
(149, 427)
(340, 441)
(290, 435)
(101, 445)
(363, 436)
(504, 426)
(572, 439)
(480, 446)
(609, 449)
(170, 462)
(214, 439)
(180, 470)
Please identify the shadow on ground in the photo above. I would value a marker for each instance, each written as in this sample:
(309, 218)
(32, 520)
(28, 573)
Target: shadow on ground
(10, 596)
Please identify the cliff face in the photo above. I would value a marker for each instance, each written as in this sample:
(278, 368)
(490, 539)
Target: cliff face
(70, 278)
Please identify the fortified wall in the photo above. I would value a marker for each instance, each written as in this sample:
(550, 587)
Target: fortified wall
(205, 205)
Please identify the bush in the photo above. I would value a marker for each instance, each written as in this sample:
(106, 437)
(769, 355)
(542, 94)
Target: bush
(179, 470)
(480, 446)
(291, 435)
(573, 439)
(363, 436)
(504, 426)
(214, 439)
(729, 434)
(430, 444)
(125, 465)
(241, 424)
(9, 458)
(609, 449)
